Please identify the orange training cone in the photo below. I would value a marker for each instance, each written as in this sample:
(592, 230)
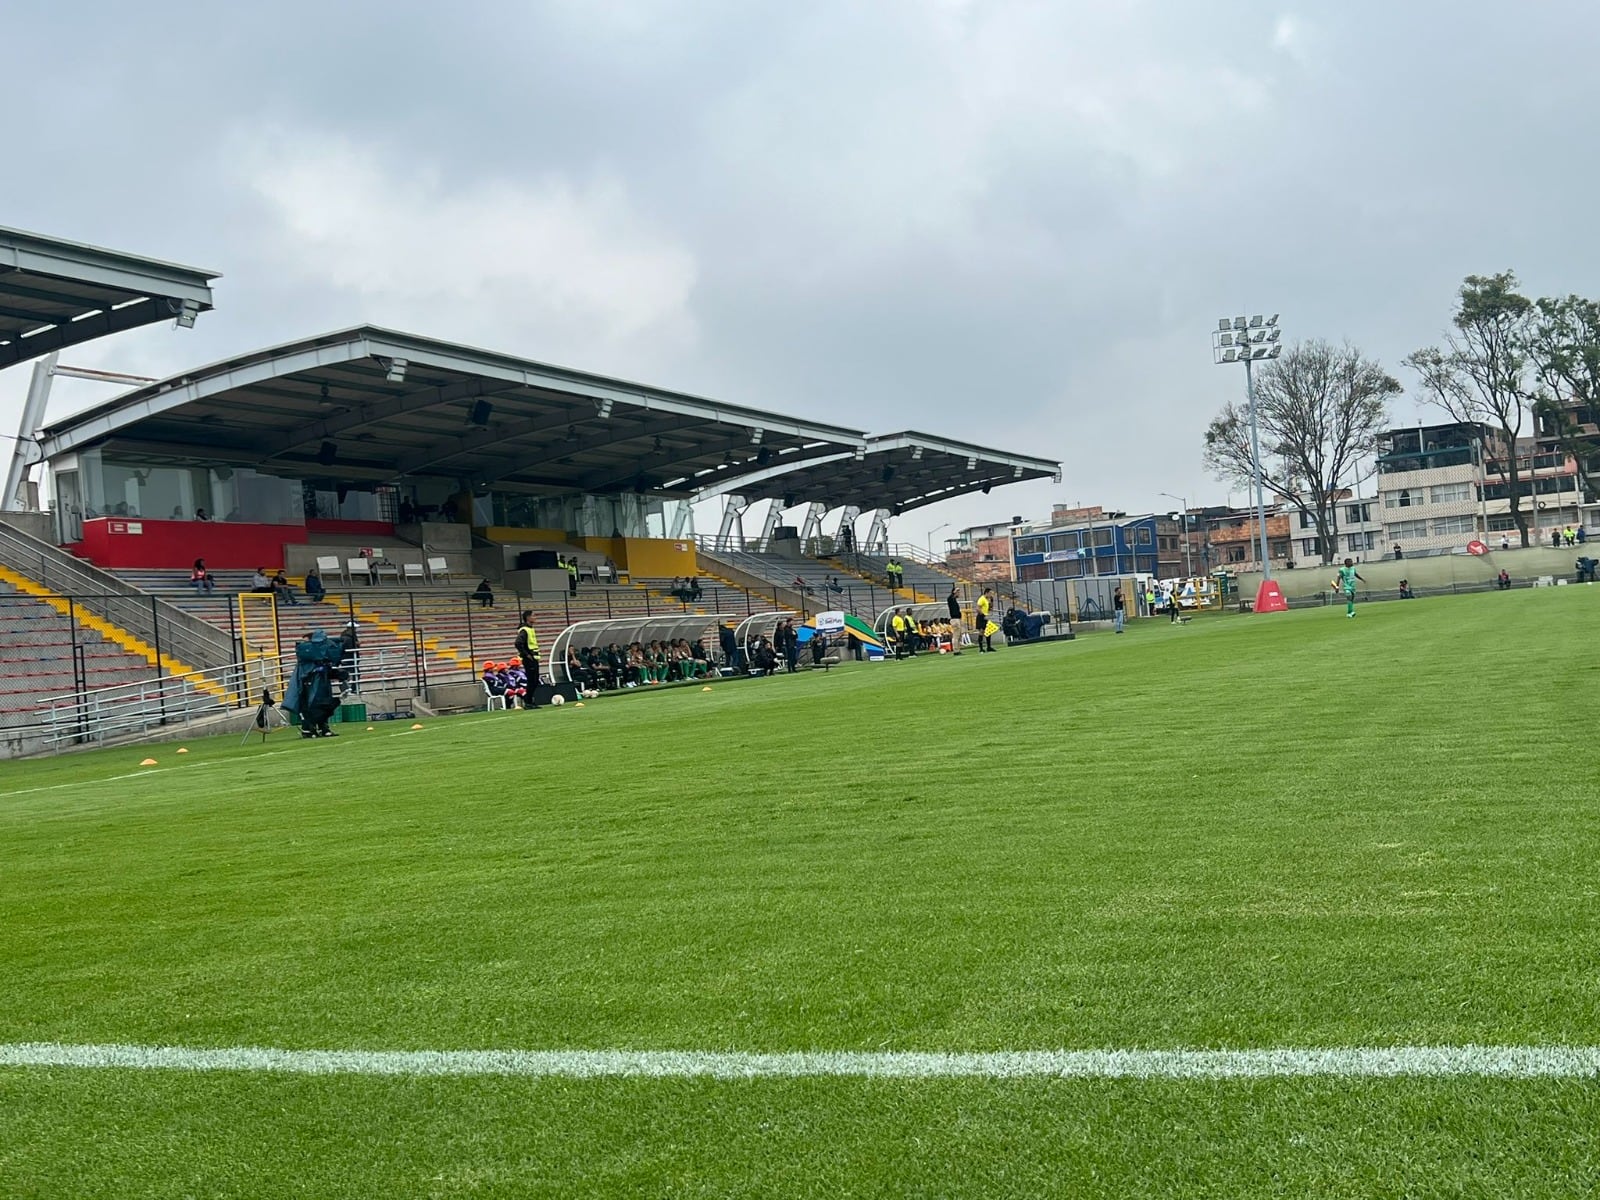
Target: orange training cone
(149, 762)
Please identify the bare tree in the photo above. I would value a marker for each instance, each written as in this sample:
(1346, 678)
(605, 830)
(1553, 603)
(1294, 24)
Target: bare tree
(1564, 347)
(1320, 409)
(1480, 375)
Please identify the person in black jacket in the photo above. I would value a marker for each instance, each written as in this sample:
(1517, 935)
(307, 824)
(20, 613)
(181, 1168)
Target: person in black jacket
(953, 603)
(730, 646)
(350, 646)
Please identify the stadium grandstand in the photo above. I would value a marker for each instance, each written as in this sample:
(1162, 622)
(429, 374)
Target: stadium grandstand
(425, 494)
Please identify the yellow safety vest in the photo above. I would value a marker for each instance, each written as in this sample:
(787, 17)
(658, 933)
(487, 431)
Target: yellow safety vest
(533, 638)
(572, 569)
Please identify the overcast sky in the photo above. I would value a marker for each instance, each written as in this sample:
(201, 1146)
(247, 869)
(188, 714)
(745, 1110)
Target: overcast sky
(1012, 223)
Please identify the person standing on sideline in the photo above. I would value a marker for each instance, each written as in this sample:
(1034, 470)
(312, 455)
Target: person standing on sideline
(953, 603)
(1347, 584)
(985, 605)
(1117, 607)
(528, 651)
(350, 659)
(1505, 541)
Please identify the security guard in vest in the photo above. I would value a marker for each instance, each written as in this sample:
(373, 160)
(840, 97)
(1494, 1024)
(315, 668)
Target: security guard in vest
(528, 652)
(572, 576)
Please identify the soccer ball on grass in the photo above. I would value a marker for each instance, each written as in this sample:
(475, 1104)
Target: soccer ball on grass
(558, 698)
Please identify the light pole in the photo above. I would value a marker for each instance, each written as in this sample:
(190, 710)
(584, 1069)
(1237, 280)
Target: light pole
(933, 531)
(1188, 569)
(1246, 339)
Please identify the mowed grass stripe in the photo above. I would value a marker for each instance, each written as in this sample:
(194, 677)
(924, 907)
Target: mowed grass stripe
(1346, 1062)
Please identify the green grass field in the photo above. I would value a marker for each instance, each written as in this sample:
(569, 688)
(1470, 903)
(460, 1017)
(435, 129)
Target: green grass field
(1250, 832)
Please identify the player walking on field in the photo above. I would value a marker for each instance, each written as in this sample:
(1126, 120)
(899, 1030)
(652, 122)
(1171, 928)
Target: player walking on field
(1347, 584)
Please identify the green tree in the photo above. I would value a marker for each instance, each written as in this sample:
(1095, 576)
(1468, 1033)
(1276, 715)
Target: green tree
(1320, 409)
(1480, 375)
(1564, 347)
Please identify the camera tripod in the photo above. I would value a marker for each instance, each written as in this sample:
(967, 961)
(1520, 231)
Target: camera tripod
(265, 719)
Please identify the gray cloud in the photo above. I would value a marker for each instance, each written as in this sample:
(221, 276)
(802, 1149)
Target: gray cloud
(1008, 222)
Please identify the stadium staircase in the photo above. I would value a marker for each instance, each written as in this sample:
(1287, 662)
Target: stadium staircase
(382, 637)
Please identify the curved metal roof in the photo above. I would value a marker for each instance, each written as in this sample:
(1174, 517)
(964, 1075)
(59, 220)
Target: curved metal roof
(898, 471)
(370, 404)
(55, 293)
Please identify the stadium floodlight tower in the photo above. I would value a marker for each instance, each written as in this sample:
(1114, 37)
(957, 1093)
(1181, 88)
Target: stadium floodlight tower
(1249, 340)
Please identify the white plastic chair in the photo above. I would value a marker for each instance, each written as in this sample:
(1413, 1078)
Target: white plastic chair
(412, 572)
(358, 566)
(438, 568)
(328, 566)
(491, 702)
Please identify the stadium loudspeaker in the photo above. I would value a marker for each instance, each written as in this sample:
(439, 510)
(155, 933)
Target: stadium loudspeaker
(481, 410)
(326, 453)
(763, 457)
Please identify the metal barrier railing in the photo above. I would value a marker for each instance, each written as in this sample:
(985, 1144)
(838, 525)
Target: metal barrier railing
(181, 699)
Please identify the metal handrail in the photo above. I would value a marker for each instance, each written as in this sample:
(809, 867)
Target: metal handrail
(180, 699)
(188, 639)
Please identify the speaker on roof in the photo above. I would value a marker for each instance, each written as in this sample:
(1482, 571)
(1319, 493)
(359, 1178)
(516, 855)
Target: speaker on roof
(481, 410)
(763, 457)
(326, 453)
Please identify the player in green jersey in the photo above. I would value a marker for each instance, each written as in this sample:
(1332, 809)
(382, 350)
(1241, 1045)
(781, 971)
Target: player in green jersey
(1347, 584)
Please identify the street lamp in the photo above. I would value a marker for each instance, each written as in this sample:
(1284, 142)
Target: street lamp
(1247, 340)
(1183, 500)
(933, 531)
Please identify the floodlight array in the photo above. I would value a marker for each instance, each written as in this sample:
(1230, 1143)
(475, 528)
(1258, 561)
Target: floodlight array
(1246, 339)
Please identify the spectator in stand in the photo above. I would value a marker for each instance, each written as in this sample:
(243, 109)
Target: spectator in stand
(282, 590)
(483, 594)
(261, 581)
(800, 585)
(314, 589)
(1555, 539)
(571, 567)
(1505, 541)
(200, 514)
(1503, 580)
(694, 589)
(834, 585)
(1405, 590)
(1398, 553)
(200, 578)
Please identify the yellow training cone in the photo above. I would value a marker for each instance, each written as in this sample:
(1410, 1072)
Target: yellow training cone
(416, 727)
(579, 704)
(707, 688)
(182, 750)
(370, 728)
(149, 762)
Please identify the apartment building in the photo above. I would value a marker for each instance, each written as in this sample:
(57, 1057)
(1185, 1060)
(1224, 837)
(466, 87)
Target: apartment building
(1358, 531)
(1104, 543)
(1441, 486)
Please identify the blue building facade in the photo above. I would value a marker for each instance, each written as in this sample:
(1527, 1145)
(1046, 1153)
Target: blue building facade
(1116, 546)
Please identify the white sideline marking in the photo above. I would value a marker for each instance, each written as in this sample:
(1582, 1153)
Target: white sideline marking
(1355, 1062)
